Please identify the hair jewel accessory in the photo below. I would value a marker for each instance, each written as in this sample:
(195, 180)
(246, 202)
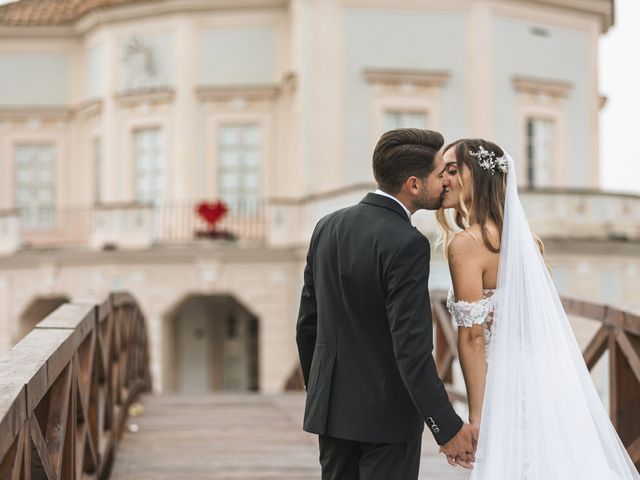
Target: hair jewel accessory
(489, 161)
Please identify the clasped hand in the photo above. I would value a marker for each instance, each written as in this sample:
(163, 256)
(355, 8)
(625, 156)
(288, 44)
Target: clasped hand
(461, 449)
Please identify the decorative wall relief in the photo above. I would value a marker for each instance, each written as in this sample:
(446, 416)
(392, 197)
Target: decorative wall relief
(139, 65)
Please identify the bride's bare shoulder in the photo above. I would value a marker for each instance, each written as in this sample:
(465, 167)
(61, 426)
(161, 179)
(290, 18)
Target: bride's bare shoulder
(463, 246)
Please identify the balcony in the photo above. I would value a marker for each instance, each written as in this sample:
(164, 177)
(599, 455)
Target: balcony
(128, 226)
(584, 214)
(553, 213)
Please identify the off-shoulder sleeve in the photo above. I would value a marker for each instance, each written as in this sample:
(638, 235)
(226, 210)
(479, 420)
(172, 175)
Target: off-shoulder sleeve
(467, 314)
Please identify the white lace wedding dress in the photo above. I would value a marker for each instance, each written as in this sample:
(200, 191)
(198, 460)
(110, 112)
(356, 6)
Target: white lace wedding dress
(480, 312)
(542, 418)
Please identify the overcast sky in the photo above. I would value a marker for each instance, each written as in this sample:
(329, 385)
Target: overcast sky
(619, 80)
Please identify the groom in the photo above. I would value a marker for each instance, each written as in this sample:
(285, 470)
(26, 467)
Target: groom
(364, 330)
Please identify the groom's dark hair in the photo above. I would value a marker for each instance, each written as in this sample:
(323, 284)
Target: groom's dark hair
(404, 153)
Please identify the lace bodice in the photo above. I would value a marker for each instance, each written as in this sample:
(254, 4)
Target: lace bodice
(480, 312)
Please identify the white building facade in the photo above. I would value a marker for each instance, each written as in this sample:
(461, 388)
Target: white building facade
(120, 119)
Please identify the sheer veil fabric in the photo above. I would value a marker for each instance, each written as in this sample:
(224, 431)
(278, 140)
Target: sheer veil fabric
(542, 418)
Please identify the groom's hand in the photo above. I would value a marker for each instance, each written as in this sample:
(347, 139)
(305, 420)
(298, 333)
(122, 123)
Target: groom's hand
(462, 447)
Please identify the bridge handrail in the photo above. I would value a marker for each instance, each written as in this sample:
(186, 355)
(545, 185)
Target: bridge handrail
(619, 334)
(65, 389)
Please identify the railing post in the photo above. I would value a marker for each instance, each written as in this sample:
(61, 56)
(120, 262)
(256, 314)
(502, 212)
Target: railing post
(624, 382)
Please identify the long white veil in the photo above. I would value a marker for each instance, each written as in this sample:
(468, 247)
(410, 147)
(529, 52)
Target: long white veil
(542, 418)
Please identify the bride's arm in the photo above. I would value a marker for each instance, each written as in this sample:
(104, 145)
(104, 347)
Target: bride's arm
(465, 265)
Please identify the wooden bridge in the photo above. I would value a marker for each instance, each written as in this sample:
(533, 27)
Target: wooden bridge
(69, 394)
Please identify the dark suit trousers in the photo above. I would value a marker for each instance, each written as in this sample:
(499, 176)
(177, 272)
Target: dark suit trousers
(349, 460)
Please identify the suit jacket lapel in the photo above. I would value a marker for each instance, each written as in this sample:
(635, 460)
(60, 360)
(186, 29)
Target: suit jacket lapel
(385, 202)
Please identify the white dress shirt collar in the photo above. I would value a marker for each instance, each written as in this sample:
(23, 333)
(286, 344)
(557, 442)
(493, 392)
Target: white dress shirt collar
(385, 194)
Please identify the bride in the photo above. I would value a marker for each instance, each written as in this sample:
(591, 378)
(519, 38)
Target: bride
(528, 387)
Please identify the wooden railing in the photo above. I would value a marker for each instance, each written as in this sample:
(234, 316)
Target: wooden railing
(66, 387)
(619, 334)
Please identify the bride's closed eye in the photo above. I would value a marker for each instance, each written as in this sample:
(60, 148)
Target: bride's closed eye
(451, 169)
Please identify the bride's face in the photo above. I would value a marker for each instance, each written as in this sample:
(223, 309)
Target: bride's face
(454, 176)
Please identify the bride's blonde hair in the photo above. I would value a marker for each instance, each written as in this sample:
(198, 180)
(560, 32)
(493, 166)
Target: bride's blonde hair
(487, 196)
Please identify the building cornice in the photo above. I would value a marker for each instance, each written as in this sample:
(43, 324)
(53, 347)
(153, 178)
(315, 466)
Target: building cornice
(539, 86)
(37, 32)
(259, 92)
(229, 92)
(21, 112)
(603, 8)
(161, 95)
(423, 78)
(91, 107)
(187, 252)
(152, 96)
(134, 11)
(166, 7)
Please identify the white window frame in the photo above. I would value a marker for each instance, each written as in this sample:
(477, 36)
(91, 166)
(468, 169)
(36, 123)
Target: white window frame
(38, 223)
(211, 167)
(542, 100)
(232, 207)
(383, 105)
(163, 162)
(129, 166)
(145, 111)
(533, 170)
(398, 90)
(8, 141)
(557, 163)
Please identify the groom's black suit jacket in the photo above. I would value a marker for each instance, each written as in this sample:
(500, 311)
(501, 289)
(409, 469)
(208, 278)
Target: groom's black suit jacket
(364, 330)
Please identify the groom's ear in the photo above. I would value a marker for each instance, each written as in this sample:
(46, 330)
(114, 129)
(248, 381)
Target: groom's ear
(412, 184)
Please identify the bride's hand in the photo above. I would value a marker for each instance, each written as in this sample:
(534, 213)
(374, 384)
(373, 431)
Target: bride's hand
(457, 461)
(475, 432)
(459, 449)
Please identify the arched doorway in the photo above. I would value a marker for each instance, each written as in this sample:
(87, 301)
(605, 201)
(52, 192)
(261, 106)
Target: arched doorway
(211, 346)
(36, 311)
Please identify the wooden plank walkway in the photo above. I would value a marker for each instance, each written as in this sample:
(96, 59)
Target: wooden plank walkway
(233, 437)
